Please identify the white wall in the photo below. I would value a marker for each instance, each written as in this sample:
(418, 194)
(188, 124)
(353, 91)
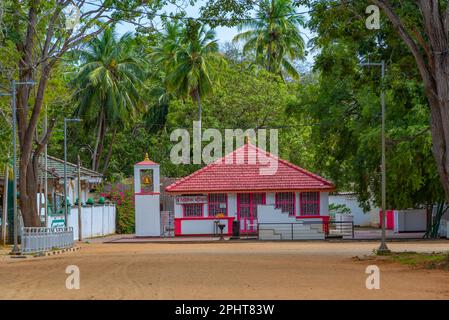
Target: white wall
(270, 198)
(410, 220)
(443, 231)
(324, 203)
(178, 209)
(370, 218)
(197, 227)
(269, 214)
(96, 221)
(297, 203)
(148, 218)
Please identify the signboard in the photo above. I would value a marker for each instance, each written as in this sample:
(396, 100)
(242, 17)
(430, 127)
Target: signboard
(191, 199)
(57, 223)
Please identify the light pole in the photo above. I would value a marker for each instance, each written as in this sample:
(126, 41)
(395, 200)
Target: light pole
(65, 168)
(383, 244)
(14, 85)
(5, 192)
(80, 225)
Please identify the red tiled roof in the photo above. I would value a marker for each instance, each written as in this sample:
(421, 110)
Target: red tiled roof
(145, 163)
(245, 176)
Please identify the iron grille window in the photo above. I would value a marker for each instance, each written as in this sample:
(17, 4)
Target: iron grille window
(218, 203)
(310, 203)
(286, 202)
(193, 210)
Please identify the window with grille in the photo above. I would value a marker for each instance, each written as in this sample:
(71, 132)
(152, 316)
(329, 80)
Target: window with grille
(310, 203)
(193, 210)
(218, 203)
(286, 202)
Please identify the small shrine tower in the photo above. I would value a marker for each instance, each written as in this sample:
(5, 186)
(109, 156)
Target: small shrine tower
(146, 195)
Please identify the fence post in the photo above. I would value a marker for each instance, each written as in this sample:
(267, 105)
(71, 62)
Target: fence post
(292, 231)
(352, 226)
(91, 220)
(102, 220)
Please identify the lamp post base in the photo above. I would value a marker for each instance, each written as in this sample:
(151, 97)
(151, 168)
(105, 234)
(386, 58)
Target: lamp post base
(15, 252)
(383, 249)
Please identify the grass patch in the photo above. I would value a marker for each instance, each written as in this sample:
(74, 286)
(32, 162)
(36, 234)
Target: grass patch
(434, 260)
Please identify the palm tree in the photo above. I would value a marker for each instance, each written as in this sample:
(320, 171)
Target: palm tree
(188, 56)
(164, 54)
(274, 37)
(107, 94)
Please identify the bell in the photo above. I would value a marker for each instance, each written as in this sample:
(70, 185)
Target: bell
(146, 180)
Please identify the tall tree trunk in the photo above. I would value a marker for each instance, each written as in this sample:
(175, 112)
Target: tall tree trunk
(108, 156)
(432, 59)
(101, 144)
(97, 140)
(35, 62)
(271, 41)
(200, 111)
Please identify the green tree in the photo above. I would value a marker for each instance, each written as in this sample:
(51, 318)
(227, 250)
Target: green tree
(107, 88)
(274, 37)
(421, 27)
(41, 37)
(188, 57)
(342, 107)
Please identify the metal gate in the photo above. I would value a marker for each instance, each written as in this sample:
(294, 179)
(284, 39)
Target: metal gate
(167, 224)
(40, 239)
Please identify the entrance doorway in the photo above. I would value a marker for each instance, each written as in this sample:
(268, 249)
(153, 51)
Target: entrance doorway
(247, 210)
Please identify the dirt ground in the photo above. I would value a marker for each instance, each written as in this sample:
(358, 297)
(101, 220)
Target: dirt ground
(239, 270)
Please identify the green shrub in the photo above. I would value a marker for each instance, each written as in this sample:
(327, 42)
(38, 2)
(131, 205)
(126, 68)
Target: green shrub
(124, 201)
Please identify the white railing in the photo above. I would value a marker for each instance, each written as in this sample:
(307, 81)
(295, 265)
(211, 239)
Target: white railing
(41, 239)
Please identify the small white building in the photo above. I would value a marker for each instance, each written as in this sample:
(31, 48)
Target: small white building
(236, 188)
(360, 217)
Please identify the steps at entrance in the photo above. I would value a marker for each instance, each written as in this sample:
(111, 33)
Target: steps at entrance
(277, 225)
(300, 232)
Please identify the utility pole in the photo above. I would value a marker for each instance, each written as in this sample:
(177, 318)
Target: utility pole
(5, 202)
(5, 190)
(66, 214)
(45, 173)
(80, 229)
(15, 249)
(14, 85)
(383, 244)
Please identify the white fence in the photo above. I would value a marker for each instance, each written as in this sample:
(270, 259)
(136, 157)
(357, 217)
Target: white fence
(96, 220)
(444, 229)
(42, 239)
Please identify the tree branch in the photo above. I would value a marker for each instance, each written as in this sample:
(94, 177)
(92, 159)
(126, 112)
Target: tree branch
(413, 47)
(41, 144)
(446, 17)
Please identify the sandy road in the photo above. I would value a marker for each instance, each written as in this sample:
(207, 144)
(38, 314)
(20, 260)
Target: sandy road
(253, 270)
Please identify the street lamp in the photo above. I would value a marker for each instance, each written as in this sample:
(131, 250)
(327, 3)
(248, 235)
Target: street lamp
(14, 85)
(5, 201)
(80, 227)
(65, 167)
(383, 245)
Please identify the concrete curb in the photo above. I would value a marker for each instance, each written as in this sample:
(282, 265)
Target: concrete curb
(57, 252)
